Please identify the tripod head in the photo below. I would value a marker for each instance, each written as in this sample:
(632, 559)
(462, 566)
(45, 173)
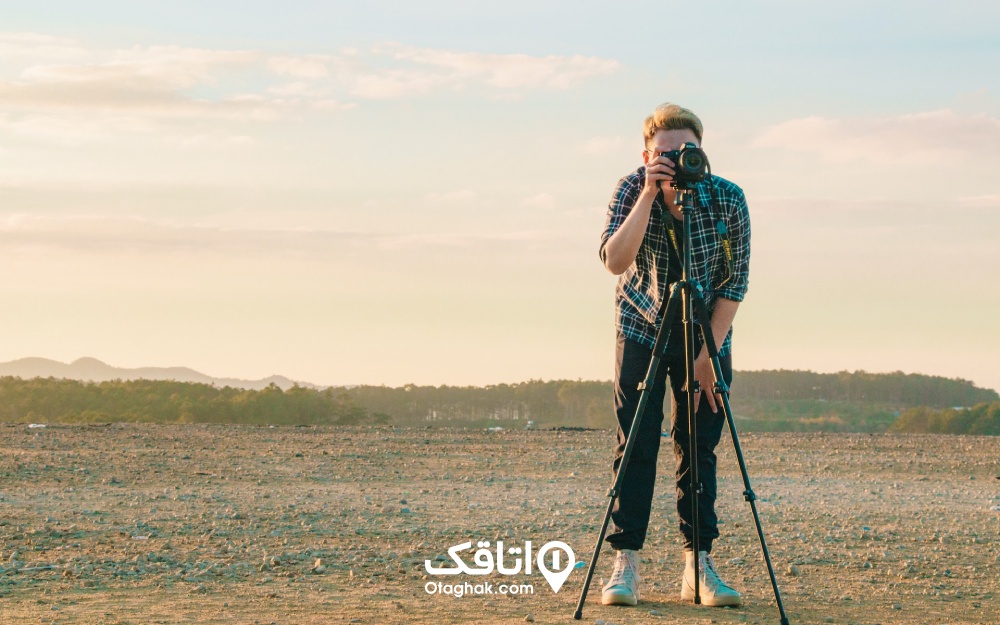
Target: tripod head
(684, 198)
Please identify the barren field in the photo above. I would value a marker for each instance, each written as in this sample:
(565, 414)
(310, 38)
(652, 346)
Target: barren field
(151, 524)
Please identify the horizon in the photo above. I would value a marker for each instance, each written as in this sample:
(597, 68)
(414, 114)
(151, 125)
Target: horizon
(391, 194)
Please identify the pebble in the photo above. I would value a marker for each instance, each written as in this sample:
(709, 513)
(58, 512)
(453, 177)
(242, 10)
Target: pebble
(529, 619)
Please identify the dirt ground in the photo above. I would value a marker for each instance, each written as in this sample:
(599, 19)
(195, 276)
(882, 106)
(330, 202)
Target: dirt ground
(130, 524)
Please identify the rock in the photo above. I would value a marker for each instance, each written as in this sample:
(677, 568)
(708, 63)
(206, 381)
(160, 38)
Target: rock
(529, 619)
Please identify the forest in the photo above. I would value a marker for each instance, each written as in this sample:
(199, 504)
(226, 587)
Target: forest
(762, 401)
(52, 400)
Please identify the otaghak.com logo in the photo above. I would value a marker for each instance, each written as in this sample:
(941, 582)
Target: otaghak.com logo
(555, 561)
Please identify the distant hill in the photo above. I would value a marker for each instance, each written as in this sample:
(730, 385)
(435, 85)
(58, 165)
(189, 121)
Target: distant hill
(93, 370)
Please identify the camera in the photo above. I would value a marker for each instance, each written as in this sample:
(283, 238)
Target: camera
(690, 165)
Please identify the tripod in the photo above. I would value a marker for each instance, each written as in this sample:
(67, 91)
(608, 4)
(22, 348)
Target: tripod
(686, 298)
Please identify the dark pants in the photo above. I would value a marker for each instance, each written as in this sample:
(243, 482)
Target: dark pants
(630, 514)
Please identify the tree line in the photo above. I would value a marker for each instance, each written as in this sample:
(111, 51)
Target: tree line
(980, 419)
(762, 401)
(70, 401)
(897, 389)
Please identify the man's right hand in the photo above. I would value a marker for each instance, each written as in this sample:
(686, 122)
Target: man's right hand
(659, 174)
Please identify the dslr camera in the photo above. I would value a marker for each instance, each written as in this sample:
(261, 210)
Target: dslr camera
(690, 166)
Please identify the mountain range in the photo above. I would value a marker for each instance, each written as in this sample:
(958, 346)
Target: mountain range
(93, 370)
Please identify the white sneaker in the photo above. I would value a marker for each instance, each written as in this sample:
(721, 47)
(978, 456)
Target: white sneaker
(623, 589)
(714, 592)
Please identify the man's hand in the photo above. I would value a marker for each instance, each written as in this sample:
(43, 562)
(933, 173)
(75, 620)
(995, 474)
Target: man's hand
(705, 377)
(659, 170)
(722, 321)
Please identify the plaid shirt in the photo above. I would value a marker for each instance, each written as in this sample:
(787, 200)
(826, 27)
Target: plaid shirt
(644, 286)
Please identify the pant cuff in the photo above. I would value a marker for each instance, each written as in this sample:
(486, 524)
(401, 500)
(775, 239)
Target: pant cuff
(706, 545)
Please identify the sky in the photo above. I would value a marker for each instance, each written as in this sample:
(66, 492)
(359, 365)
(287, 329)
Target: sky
(397, 192)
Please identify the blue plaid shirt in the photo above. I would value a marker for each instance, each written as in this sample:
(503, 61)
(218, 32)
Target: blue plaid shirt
(644, 286)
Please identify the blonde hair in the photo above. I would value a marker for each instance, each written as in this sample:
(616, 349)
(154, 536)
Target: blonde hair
(669, 116)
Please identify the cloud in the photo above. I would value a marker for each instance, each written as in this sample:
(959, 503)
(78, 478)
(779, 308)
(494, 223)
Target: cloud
(929, 137)
(168, 67)
(149, 82)
(61, 74)
(310, 67)
(60, 91)
(426, 69)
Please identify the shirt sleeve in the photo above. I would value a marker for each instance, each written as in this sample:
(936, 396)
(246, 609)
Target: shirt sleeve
(739, 238)
(622, 201)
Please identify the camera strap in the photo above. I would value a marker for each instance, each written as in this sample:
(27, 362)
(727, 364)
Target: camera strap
(675, 247)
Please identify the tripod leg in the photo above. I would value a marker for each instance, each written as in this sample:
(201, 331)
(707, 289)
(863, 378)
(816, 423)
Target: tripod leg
(722, 389)
(691, 388)
(662, 335)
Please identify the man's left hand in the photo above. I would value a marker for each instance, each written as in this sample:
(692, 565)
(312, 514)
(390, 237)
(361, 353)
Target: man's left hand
(704, 374)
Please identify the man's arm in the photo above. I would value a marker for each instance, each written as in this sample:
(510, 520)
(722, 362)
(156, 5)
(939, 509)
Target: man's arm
(620, 249)
(722, 321)
(727, 298)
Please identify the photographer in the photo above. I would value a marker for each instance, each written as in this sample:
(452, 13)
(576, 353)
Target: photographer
(638, 245)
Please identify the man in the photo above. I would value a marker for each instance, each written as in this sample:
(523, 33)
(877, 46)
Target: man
(637, 246)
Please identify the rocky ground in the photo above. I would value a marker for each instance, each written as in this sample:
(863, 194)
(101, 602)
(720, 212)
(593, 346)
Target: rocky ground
(121, 524)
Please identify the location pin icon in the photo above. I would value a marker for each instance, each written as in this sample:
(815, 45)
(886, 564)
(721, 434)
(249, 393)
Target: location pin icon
(556, 578)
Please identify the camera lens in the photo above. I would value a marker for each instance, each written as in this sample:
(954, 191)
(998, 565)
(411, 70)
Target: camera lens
(692, 161)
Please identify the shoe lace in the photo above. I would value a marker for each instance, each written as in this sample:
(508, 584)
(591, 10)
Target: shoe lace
(712, 578)
(625, 571)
